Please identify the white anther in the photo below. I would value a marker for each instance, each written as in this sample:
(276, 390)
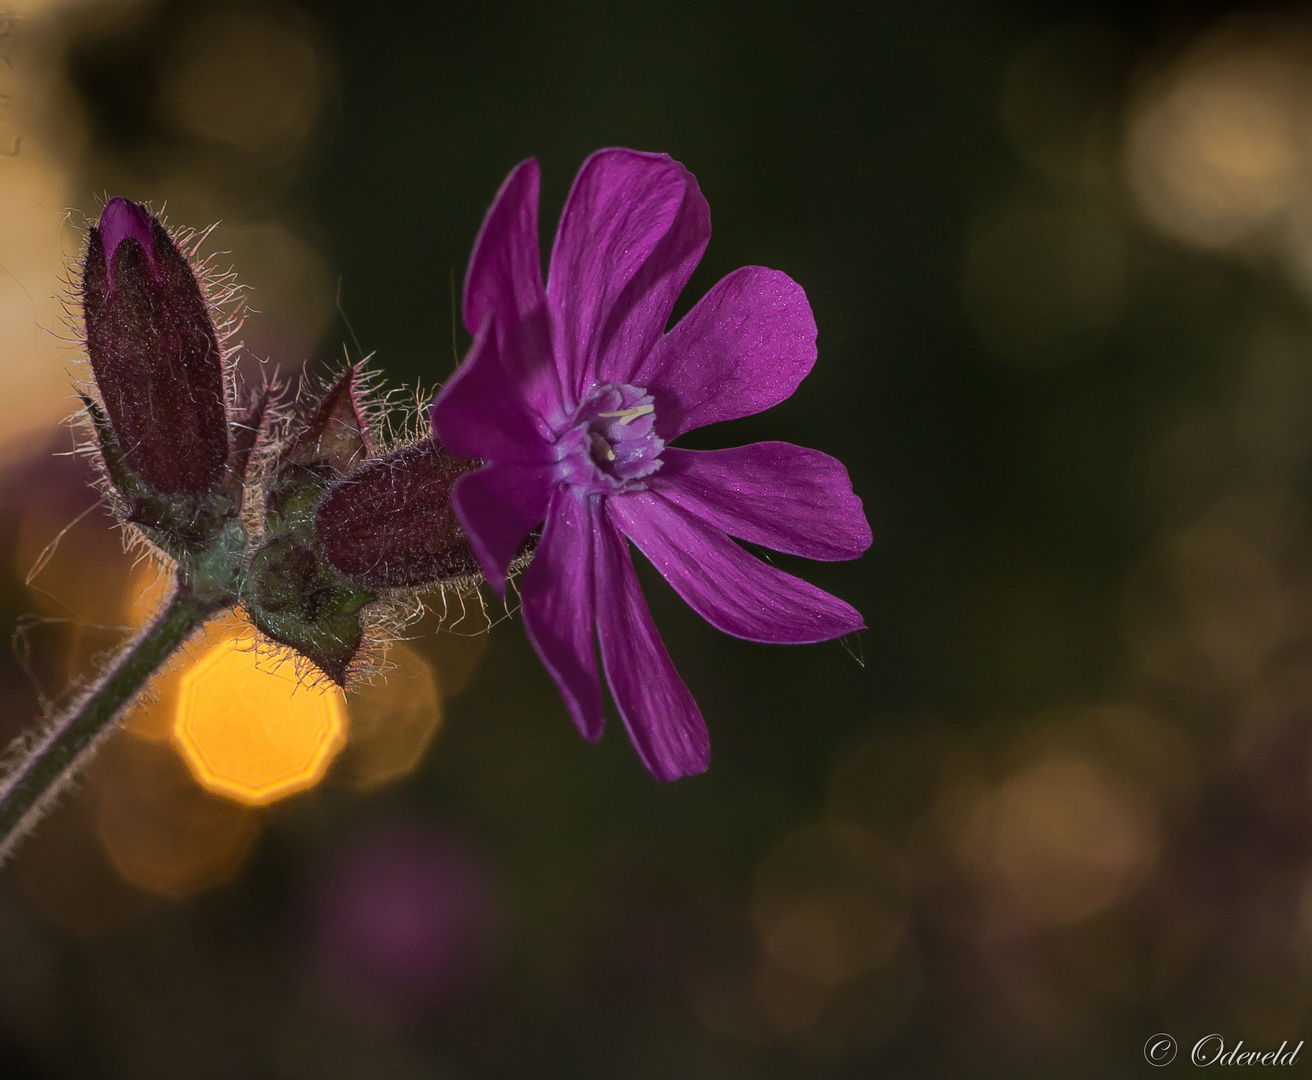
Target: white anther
(627, 416)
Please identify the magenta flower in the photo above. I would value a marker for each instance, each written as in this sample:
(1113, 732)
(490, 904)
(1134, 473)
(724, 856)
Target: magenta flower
(572, 394)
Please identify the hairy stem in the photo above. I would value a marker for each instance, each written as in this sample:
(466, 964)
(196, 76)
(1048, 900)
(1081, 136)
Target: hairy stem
(42, 766)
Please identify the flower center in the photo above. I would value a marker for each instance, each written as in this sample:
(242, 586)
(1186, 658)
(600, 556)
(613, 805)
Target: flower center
(609, 444)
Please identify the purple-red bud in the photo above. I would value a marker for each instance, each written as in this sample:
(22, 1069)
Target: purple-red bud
(123, 220)
(390, 523)
(154, 353)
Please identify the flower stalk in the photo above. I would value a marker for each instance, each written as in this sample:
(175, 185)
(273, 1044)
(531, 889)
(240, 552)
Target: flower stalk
(236, 493)
(552, 442)
(46, 763)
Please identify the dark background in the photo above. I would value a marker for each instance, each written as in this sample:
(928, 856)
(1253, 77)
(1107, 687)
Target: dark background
(1063, 776)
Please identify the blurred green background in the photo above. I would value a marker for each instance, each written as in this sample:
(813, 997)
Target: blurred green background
(1057, 797)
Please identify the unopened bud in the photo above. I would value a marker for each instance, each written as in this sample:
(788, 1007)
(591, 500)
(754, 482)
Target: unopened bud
(155, 354)
(390, 523)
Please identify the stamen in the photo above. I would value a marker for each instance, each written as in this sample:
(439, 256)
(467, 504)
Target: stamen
(604, 452)
(627, 416)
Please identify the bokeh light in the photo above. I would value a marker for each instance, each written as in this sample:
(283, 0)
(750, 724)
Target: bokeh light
(252, 725)
(67, 876)
(1062, 273)
(405, 920)
(393, 721)
(34, 189)
(1062, 839)
(162, 832)
(74, 569)
(454, 655)
(830, 904)
(1059, 98)
(1217, 145)
(1041, 281)
(250, 76)
(1216, 604)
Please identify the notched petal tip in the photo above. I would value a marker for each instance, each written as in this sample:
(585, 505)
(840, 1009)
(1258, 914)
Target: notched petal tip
(744, 347)
(733, 591)
(662, 719)
(633, 228)
(781, 496)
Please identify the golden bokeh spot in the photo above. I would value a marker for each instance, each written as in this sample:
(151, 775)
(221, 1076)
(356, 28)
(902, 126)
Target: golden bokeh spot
(790, 1002)
(162, 833)
(1063, 839)
(253, 80)
(1043, 278)
(454, 657)
(148, 589)
(151, 718)
(154, 715)
(250, 729)
(1214, 150)
(74, 563)
(74, 566)
(830, 904)
(66, 875)
(393, 721)
(33, 184)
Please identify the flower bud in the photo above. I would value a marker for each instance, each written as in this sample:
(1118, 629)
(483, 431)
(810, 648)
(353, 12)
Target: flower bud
(390, 523)
(154, 354)
(342, 528)
(292, 594)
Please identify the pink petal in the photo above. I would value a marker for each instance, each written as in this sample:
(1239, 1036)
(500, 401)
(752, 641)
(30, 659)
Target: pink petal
(662, 718)
(505, 269)
(481, 412)
(633, 229)
(744, 347)
(123, 220)
(775, 494)
(726, 586)
(560, 611)
(496, 508)
(504, 283)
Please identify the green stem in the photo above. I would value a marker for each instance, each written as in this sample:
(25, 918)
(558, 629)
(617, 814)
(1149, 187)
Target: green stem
(41, 766)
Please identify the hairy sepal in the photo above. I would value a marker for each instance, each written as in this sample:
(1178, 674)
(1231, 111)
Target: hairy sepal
(292, 592)
(183, 526)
